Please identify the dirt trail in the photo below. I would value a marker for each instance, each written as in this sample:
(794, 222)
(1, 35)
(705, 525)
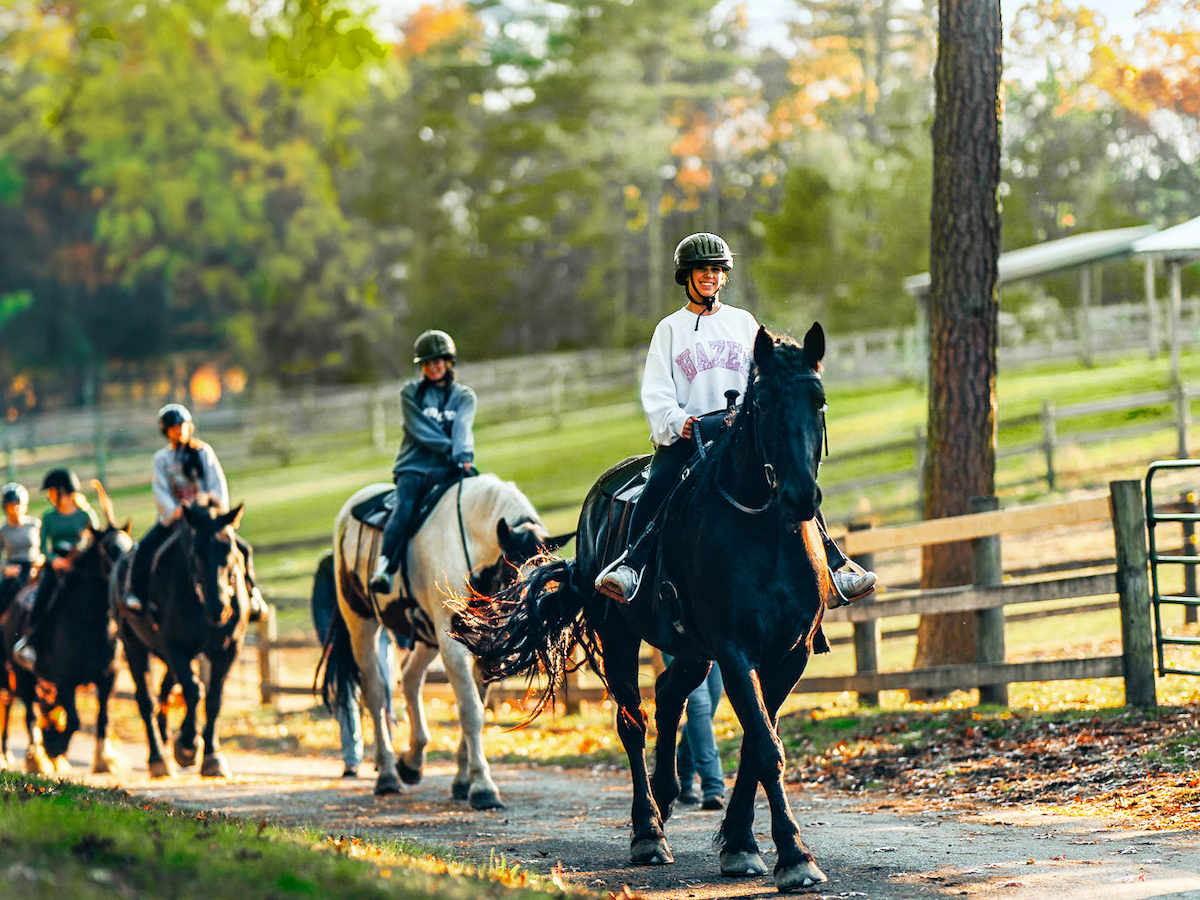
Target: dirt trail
(580, 818)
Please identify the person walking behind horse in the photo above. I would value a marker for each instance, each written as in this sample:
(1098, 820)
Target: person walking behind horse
(185, 472)
(438, 415)
(699, 355)
(21, 539)
(63, 527)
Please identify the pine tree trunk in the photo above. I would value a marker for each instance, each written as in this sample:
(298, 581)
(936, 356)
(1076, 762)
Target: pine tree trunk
(963, 302)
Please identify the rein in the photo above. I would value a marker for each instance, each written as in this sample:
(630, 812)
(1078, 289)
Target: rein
(767, 467)
(462, 530)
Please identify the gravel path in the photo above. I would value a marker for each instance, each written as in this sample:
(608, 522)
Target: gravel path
(580, 818)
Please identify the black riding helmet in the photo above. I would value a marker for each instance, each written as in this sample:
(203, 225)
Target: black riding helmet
(15, 493)
(701, 249)
(434, 345)
(172, 414)
(63, 479)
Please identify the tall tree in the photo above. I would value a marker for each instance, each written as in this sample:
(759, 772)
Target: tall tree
(963, 301)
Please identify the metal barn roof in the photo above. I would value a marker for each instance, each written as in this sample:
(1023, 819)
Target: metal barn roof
(1180, 243)
(1065, 253)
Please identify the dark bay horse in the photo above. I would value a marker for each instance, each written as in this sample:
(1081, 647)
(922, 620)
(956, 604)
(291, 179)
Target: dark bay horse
(480, 529)
(77, 646)
(197, 604)
(744, 583)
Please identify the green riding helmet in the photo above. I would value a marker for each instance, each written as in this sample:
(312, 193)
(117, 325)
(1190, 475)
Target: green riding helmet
(701, 249)
(63, 479)
(172, 414)
(15, 493)
(434, 345)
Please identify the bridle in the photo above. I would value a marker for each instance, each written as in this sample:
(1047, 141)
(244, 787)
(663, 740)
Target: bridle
(768, 467)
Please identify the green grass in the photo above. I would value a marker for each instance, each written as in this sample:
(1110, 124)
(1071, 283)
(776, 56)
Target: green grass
(63, 840)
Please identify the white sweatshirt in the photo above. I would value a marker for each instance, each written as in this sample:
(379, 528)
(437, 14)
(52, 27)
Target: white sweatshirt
(689, 368)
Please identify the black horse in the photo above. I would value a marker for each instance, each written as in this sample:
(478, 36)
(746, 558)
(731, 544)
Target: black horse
(197, 604)
(77, 645)
(743, 582)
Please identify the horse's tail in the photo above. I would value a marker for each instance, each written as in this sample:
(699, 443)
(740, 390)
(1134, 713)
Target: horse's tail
(337, 677)
(531, 626)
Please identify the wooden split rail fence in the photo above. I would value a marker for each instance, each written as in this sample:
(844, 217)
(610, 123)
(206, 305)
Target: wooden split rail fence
(986, 600)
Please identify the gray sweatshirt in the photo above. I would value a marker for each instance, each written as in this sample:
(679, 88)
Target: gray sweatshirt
(437, 427)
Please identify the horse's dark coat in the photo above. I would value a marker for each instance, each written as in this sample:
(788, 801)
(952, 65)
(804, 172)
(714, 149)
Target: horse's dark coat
(76, 645)
(746, 590)
(199, 602)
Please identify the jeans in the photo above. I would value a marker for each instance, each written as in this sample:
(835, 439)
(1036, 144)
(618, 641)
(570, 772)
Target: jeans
(697, 753)
(349, 715)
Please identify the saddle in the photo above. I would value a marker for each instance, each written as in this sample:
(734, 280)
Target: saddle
(406, 620)
(374, 511)
(623, 492)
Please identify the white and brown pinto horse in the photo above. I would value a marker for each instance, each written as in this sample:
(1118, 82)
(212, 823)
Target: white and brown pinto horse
(479, 531)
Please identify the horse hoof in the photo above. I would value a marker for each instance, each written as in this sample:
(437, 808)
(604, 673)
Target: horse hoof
(160, 768)
(62, 765)
(185, 755)
(105, 765)
(460, 790)
(215, 766)
(486, 799)
(38, 763)
(651, 852)
(407, 773)
(799, 877)
(387, 783)
(736, 865)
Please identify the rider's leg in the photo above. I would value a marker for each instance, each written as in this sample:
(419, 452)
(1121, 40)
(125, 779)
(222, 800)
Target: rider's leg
(395, 532)
(258, 605)
(850, 581)
(47, 588)
(620, 578)
(143, 561)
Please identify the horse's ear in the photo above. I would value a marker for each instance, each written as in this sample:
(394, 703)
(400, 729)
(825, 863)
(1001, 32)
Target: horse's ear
(764, 346)
(814, 345)
(233, 518)
(128, 527)
(558, 541)
(504, 536)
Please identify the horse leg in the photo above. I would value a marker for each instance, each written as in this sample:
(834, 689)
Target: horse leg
(460, 668)
(104, 760)
(164, 703)
(186, 740)
(739, 850)
(214, 764)
(364, 640)
(37, 761)
(671, 691)
(412, 675)
(648, 843)
(762, 752)
(138, 659)
(6, 701)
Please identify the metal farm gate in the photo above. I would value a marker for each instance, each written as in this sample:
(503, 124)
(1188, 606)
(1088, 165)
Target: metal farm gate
(1185, 514)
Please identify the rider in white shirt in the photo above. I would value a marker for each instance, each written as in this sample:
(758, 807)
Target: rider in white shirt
(699, 355)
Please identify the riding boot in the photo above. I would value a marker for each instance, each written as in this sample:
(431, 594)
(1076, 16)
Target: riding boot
(619, 580)
(381, 580)
(258, 605)
(23, 653)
